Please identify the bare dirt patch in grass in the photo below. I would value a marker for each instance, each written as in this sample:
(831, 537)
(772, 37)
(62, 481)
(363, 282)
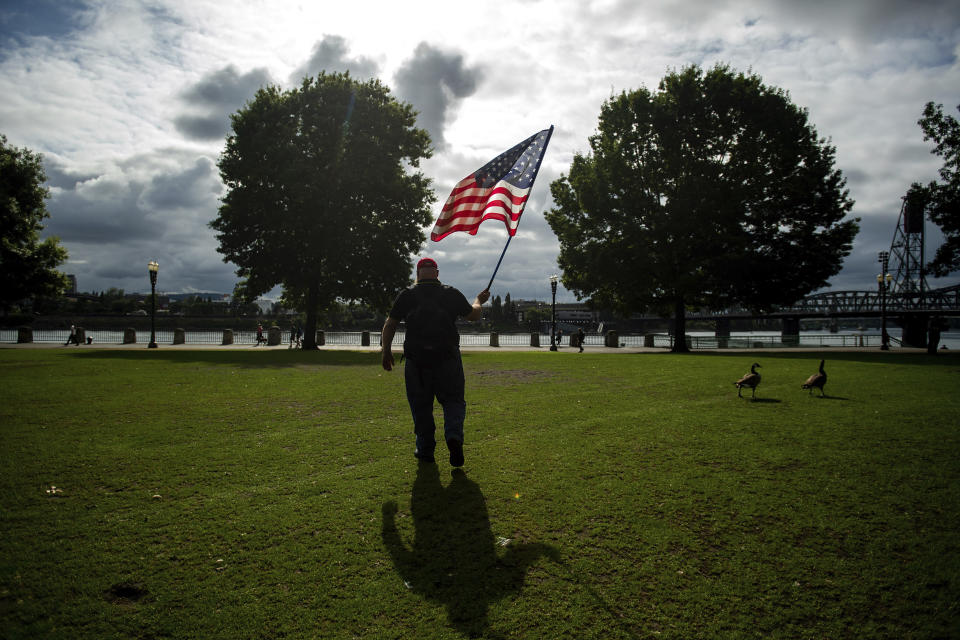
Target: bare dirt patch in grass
(512, 375)
(126, 593)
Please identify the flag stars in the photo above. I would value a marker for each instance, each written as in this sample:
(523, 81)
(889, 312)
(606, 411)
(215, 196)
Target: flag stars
(498, 190)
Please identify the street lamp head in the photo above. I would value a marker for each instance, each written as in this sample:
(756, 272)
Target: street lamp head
(553, 282)
(153, 266)
(884, 259)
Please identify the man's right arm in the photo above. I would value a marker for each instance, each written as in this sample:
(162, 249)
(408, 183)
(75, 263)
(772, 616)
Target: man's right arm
(477, 312)
(386, 342)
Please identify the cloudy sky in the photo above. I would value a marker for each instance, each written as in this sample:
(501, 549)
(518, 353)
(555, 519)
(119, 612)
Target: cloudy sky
(129, 101)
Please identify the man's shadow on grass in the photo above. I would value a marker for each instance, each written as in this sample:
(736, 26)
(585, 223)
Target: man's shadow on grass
(453, 559)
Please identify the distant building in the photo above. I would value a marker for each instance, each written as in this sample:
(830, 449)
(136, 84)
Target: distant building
(266, 305)
(577, 313)
(71, 284)
(569, 314)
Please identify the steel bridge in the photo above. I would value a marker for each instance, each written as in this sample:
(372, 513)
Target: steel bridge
(902, 293)
(944, 301)
(855, 304)
(901, 286)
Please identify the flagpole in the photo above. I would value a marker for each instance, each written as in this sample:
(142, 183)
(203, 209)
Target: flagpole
(509, 235)
(503, 253)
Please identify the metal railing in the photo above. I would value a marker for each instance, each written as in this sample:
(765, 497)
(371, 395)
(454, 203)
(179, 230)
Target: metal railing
(215, 337)
(354, 338)
(760, 341)
(350, 337)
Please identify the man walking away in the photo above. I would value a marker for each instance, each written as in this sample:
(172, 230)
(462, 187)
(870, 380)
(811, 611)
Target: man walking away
(431, 347)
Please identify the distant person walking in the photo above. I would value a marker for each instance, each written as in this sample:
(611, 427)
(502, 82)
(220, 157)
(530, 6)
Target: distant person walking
(260, 338)
(934, 328)
(293, 335)
(580, 337)
(431, 347)
(72, 338)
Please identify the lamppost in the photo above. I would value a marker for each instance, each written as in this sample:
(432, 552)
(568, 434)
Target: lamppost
(553, 313)
(153, 267)
(883, 283)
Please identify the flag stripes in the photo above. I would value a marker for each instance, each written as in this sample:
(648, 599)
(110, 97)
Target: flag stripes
(496, 191)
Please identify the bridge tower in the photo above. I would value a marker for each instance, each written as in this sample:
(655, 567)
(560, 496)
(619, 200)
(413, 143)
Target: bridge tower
(909, 287)
(909, 281)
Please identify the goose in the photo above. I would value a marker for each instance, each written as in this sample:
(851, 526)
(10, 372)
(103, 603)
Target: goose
(817, 380)
(750, 380)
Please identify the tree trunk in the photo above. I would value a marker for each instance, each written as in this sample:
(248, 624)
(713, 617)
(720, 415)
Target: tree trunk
(679, 327)
(310, 328)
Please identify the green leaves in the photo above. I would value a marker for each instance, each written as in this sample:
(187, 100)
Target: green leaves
(713, 190)
(944, 197)
(323, 193)
(27, 264)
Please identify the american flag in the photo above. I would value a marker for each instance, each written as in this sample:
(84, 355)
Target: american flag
(496, 191)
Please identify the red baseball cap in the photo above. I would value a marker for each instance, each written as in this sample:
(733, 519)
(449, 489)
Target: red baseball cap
(426, 262)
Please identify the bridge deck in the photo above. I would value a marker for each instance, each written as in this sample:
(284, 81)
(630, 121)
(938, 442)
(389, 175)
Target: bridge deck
(856, 304)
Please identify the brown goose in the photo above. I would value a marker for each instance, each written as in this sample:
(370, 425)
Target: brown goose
(816, 381)
(751, 380)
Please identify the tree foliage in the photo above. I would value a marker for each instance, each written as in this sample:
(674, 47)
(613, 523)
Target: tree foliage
(533, 319)
(502, 314)
(943, 198)
(495, 314)
(323, 194)
(712, 191)
(27, 263)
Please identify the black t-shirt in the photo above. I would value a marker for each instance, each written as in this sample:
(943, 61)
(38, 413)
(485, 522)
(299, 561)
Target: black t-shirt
(448, 298)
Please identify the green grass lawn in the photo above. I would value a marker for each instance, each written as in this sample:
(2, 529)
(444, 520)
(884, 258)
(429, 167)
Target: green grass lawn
(274, 494)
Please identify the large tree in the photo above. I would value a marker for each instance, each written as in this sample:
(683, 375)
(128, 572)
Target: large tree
(27, 263)
(943, 198)
(324, 196)
(712, 191)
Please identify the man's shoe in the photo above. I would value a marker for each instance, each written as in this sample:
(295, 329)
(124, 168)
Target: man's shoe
(424, 458)
(456, 452)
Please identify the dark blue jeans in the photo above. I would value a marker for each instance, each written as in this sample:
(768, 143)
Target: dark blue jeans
(443, 381)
